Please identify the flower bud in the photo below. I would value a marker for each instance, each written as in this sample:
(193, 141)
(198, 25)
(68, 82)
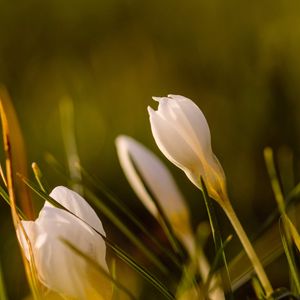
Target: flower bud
(182, 134)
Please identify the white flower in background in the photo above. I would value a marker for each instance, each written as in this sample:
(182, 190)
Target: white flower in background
(182, 134)
(143, 168)
(59, 268)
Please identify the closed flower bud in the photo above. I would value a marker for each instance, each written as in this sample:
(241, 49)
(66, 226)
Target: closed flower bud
(182, 134)
(58, 267)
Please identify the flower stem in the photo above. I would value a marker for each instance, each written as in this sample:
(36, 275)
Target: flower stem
(248, 247)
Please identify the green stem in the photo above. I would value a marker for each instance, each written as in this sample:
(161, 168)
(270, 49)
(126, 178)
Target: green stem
(248, 248)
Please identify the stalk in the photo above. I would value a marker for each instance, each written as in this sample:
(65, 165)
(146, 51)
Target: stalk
(248, 247)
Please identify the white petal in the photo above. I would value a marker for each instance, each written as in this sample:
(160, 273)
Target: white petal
(154, 174)
(77, 205)
(191, 123)
(59, 268)
(172, 144)
(197, 120)
(123, 150)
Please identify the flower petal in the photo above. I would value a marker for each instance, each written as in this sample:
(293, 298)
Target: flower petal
(77, 205)
(59, 268)
(154, 174)
(172, 143)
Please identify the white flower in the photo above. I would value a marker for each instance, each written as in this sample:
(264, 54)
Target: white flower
(182, 134)
(141, 168)
(59, 268)
(144, 169)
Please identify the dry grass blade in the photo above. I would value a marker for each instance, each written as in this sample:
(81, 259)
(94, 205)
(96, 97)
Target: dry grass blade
(29, 267)
(18, 153)
(68, 134)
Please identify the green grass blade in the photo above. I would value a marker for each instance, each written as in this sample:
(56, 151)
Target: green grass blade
(3, 295)
(93, 263)
(163, 219)
(218, 258)
(112, 198)
(259, 291)
(115, 293)
(66, 109)
(4, 195)
(141, 270)
(39, 177)
(294, 233)
(217, 237)
(289, 254)
(269, 159)
(120, 225)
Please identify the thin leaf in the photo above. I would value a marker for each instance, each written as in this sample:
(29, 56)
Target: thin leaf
(30, 268)
(4, 195)
(289, 254)
(259, 291)
(66, 109)
(3, 295)
(39, 177)
(294, 232)
(113, 199)
(18, 157)
(218, 258)
(162, 218)
(115, 293)
(124, 229)
(285, 232)
(268, 154)
(93, 263)
(217, 237)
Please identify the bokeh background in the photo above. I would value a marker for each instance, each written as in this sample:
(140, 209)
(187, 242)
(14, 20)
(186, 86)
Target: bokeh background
(238, 60)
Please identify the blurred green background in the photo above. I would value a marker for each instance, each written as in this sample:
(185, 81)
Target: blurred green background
(238, 60)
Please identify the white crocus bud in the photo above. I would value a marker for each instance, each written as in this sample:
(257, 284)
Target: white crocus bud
(58, 267)
(145, 172)
(144, 169)
(182, 134)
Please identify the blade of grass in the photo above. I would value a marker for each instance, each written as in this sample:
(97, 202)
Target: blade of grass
(30, 269)
(294, 232)
(118, 251)
(120, 225)
(66, 109)
(289, 255)
(217, 237)
(115, 294)
(162, 217)
(216, 262)
(291, 198)
(259, 292)
(93, 263)
(39, 177)
(3, 295)
(17, 150)
(112, 198)
(4, 195)
(285, 232)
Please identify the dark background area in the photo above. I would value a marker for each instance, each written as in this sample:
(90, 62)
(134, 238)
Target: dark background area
(238, 60)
